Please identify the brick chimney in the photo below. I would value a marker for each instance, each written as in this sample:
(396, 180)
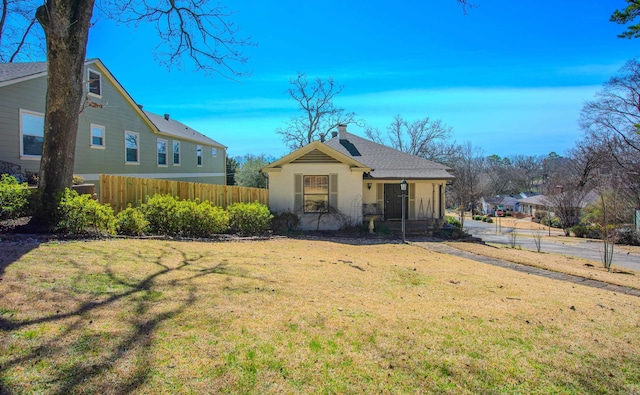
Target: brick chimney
(342, 132)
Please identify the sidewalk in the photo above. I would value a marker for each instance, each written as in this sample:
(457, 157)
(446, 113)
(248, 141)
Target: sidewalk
(445, 249)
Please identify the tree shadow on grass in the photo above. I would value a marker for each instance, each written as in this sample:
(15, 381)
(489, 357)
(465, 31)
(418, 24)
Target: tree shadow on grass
(81, 358)
(12, 250)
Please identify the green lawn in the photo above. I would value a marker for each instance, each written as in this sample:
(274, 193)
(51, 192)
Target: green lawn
(297, 316)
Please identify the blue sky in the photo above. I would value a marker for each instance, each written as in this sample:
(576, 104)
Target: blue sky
(509, 76)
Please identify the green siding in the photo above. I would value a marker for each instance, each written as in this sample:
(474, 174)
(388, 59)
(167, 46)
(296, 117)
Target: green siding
(116, 114)
(28, 95)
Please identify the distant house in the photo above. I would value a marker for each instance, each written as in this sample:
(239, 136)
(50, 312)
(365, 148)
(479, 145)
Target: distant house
(115, 136)
(348, 179)
(532, 204)
(506, 203)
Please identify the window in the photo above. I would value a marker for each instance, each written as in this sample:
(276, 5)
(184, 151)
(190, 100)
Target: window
(95, 83)
(199, 154)
(131, 147)
(97, 136)
(31, 133)
(316, 194)
(176, 153)
(214, 152)
(162, 152)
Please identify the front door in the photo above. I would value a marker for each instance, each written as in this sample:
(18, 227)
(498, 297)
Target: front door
(393, 201)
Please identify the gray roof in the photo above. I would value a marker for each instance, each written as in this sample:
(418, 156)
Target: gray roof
(179, 129)
(14, 71)
(538, 200)
(387, 162)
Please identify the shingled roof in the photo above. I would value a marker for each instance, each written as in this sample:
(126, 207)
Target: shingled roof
(11, 73)
(179, 129)
(386, 162)
(16, 71)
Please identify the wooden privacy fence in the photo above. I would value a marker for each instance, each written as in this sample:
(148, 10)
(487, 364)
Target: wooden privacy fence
(119, 191)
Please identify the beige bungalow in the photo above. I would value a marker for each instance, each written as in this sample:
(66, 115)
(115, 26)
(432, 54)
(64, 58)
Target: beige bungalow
(348, 179)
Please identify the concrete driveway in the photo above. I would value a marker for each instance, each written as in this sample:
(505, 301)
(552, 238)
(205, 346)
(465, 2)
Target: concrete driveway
(581, 248)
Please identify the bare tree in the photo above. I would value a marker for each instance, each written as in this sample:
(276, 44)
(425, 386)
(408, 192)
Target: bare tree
(194, 29)
(21, 37)
(423, 137)
(319, 114)
(468, 166)
(526, 172)
(611, 124)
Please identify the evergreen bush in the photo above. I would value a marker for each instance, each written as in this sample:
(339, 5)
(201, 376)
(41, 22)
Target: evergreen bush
(132, 222)
(14, 197)
(80, 214)
(249, 218)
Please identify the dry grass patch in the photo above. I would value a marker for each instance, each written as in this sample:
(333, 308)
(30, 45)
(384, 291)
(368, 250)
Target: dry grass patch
(559, 263)
(295, 316)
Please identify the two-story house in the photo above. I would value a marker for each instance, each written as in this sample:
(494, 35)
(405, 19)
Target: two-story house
(115, 135)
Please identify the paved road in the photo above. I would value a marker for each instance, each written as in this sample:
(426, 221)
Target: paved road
(581, 248)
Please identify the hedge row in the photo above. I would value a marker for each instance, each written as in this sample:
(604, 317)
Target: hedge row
(160, 215)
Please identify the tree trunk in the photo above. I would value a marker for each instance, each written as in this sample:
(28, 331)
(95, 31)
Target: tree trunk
(66, 27)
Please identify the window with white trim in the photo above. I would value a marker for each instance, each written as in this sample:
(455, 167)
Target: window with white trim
(199, 155)
(132, 147)
(316, 194)
(162, 152)
(94, 83)
(214, 152)
(31, 134)
(97, 136)
(176, 153)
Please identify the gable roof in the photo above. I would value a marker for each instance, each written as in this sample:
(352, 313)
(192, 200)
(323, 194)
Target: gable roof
(178, 129)
(386, 162)
(537, 200)
(316, 152)
(12, 73)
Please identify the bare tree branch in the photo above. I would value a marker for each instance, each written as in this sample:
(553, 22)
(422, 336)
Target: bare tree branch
(21, 38)
(318, 113)
(199, 30)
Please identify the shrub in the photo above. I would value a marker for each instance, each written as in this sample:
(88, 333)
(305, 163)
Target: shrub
(132, 222)
(628, 236)
(202, 219)
(168, 215)
(162, 213)
(284, 222)
(14, 197)
(554, 222)
(580, 230)
(249, 218)
(453, 221)
(80, 214)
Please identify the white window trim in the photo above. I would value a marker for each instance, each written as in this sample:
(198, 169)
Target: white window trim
(214, 152)
(173, 153)
(125, 147)
(166, 152)
(89, 71)
(22, 155)
(199, 148)
(104, 136)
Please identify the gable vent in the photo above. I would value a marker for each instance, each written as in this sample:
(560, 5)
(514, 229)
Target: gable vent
(315, 156)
